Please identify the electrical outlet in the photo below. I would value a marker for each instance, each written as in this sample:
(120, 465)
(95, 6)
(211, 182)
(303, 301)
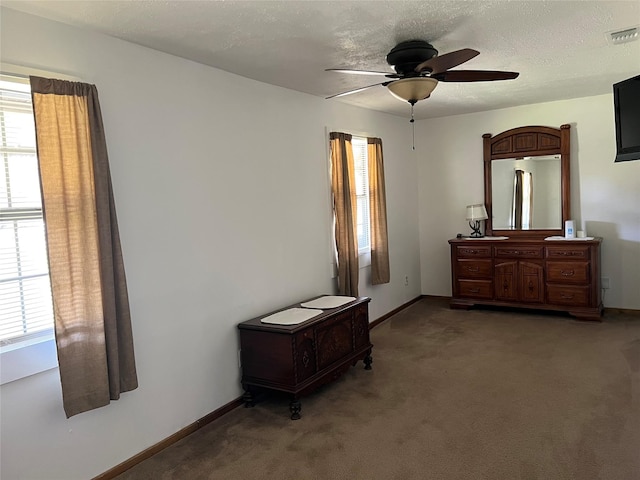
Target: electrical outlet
(406, 280)
(605, 283)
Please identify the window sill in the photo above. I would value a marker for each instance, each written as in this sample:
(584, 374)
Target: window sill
(364, 260)
(22, 360)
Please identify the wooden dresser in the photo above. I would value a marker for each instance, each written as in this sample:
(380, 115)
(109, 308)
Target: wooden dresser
(559, 275)
(299, 358)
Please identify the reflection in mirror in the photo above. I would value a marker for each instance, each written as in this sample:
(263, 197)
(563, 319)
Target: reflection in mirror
(527, 193)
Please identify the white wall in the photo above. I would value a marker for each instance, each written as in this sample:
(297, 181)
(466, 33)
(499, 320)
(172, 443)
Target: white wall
(221, 186)
(604, 195)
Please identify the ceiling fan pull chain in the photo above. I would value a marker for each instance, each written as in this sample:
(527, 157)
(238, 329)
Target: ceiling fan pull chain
(413, 129)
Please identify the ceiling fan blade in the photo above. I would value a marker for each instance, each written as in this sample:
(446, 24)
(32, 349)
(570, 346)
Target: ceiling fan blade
(474, 76)
(349, 92)
(362, 72)
(440, 63)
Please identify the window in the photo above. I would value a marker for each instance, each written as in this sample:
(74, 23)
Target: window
(359, 146)
(26, 312)
(359, 210)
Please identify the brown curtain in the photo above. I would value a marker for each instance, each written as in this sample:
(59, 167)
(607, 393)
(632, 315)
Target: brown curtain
(378, 214)
(343, 187)
(91, 305)
(523, 195)
(517, 199)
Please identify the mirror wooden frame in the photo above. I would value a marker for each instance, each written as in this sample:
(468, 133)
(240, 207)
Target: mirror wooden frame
(531, 141)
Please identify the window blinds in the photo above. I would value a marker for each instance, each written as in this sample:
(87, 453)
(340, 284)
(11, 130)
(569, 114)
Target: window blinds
(25, 290)
(359, 146)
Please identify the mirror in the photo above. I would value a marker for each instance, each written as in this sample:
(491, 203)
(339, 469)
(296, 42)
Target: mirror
(527, 181)
(526, 193)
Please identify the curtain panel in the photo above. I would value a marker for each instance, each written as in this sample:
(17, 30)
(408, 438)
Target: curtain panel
(380, 272)
(522, 209)
(91, 306)
(516, 211)
(343, 188)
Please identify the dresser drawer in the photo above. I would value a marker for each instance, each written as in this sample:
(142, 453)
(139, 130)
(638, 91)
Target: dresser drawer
(573, 296)
(475, 288)
(481, 251)
(567, 272)
(518, 251)
(474, 268)
(578, 252)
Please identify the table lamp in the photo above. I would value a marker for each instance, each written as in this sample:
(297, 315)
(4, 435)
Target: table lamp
(475, 213)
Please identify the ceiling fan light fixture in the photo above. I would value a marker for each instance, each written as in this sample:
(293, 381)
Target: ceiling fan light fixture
(412, 89)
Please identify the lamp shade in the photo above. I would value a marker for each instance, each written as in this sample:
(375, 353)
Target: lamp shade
(412, 89)
(476, 212)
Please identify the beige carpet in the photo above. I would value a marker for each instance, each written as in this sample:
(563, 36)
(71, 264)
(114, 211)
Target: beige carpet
(479, 394)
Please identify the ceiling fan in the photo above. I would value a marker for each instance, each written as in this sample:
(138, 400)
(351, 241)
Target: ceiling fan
(419, 68)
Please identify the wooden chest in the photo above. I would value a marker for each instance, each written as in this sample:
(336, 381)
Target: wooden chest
(299, 358)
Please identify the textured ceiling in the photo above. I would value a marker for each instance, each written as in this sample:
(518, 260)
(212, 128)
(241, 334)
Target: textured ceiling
(560, 48)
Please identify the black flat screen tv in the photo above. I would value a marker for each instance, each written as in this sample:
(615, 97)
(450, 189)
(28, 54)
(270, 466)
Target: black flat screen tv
(626, 102)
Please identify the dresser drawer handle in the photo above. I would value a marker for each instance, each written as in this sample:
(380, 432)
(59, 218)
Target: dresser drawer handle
(568, 273)
(474, 290)
(473, 269)
(520, 252)
(472, 252)
(565, 296)
(568, 254)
